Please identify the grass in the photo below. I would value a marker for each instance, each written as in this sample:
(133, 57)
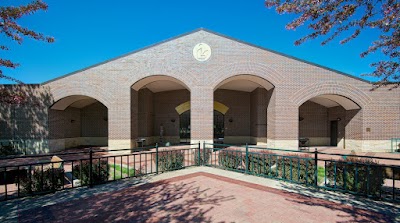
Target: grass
(321, 174)
(118, 169)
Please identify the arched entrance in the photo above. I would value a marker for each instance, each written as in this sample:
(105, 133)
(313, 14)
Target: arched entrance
(78, 121)
(247, 97)
(154, 117)
(329, 120)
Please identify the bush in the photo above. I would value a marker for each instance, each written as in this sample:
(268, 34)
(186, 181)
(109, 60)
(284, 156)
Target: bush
(231, 159)
(368, 180)
(8, 150)
(204, 156)
(100, 173)
(261, 162)
(49, 179)
(298, 168)
(170, 160)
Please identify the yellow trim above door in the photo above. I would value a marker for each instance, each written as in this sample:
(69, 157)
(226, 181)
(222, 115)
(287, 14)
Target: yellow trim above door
(186, 107)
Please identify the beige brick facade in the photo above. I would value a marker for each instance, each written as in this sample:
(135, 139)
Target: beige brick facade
(126, 109)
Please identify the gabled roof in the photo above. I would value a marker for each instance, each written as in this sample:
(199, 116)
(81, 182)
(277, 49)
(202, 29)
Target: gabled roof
(215, 33)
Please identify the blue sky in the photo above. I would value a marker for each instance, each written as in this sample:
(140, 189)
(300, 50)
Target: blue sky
(89, 32)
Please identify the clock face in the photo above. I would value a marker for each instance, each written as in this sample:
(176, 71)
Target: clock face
(202, 52)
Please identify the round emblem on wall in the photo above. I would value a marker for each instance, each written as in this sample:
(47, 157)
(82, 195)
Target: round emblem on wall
(202, 52)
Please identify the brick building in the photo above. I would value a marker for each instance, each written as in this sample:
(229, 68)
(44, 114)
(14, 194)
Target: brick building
(203, 86)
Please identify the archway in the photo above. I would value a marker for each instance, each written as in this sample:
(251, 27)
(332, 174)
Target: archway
(247, 97)
(329, 120)
(78, 121)
(153, 103)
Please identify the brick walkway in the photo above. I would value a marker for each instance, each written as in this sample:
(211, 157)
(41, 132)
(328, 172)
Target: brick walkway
(199, 197)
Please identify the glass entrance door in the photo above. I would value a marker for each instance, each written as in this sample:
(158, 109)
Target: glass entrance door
(184, 127)
(219, 129)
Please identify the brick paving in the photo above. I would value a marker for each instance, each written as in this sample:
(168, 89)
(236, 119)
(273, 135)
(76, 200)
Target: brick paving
(200, 197)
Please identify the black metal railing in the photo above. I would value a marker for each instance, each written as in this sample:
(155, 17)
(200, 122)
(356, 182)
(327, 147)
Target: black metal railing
(376, 177)
(41, 174)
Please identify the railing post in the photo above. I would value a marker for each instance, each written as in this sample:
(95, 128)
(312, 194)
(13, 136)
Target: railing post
(5, 183)
(30, 179)
(91, 167)
(204, 153)
(199, 161)
(393, 189)
(156, 158)
(247, 159)
(316, 167)
(391, 145)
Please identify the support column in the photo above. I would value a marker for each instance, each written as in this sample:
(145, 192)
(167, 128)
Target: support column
(202, 114)
(119, 122)
(134, 118)
(283, 122)
(354, 132)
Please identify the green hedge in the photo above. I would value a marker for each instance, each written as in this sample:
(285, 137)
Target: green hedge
(261, 162)
(8, 150)
(297, 168)
(231, 159)
(204, 156)
(100, 173)
(170, 160)
(357, 175)
(42, 181)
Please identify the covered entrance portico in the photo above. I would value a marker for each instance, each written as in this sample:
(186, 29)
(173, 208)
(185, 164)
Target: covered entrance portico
(173, 92)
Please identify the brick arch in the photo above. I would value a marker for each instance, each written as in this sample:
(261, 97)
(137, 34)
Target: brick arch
(156, 77)
(247, 68)
(104, 97)
(185, 77)
(335, 88)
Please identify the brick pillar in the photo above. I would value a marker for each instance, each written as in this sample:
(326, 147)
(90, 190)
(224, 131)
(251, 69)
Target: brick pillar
(271, 119)
(283, 122)
(202, 114)
(134, 117)
(119, 122)
(353, 124)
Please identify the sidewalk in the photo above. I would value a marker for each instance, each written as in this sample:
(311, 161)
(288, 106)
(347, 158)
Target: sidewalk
(10, 210)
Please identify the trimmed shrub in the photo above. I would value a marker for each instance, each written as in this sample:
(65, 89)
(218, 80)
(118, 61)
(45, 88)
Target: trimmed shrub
(231, 159)
(100, 173)
(261, 162)
(41, 181)
(170, 160)
(298, 168)
(358, 175)
(8, 150)
(204, 156)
